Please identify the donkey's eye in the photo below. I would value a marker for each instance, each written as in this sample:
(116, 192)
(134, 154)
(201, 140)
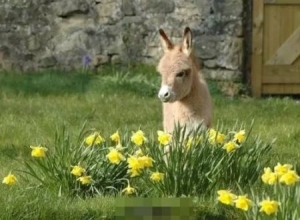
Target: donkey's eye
(180, 74)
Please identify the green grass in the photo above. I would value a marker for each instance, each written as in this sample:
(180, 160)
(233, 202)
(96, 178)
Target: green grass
(34, 106)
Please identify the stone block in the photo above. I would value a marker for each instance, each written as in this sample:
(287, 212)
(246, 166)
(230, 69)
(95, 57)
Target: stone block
(205, 46)
(210, 63)
(222, 74)
(128, 7)
(228, 7)
(99, 59)
(116, 59)
(46, 61)
(157, 6)
(66, 8)
(109, 13)
(231, 53)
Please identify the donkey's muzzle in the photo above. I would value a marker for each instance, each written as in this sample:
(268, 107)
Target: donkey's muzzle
(165, 94)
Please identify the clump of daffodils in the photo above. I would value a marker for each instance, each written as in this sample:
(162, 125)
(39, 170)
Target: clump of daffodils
(244, 203)
(106, 163)
(137, 163)
(282, 174)
(230, 145)
(241, 202)
(284, 178)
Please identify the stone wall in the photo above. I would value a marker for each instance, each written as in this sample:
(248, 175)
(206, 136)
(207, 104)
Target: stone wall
(67, 34)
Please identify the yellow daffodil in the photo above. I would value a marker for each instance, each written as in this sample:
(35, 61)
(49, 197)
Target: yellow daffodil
(85, 180)
(282, 169)
(216, 137)
(242, 202)
(10, 179)
(269, 177)
(114, 156)
(94, 138)
(138, 138)
(38, 151)
(289, 178)
(156, 176)
(145, 161)
(226, 197)
(134, 163)
(128, 190)
(230, 146)
(77, 170)
(133, 172)
(164, 138)
(115, 137)
(240, 136)
(269, 206)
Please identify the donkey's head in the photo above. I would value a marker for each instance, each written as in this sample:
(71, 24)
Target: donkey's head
(175, 67)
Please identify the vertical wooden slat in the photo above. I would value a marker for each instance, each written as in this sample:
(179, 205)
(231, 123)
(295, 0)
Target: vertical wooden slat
(257, 47)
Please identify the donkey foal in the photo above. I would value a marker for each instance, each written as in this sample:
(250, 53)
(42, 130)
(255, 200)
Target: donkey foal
(184, 92)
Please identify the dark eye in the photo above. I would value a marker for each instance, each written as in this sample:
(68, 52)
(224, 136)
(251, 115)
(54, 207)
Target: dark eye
(180, 74)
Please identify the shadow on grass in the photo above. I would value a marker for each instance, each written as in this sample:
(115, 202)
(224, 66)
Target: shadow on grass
(44, 83)
(140, 80)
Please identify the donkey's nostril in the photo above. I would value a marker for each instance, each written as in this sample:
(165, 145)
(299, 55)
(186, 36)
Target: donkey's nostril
(167, 94)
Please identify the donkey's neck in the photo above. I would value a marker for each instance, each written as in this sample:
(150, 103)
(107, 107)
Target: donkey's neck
(191, 110)
(191, 100)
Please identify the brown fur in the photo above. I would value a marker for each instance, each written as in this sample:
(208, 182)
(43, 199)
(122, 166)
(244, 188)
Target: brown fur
(191, 103)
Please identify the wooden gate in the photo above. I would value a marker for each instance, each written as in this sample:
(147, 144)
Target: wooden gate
(276, 47)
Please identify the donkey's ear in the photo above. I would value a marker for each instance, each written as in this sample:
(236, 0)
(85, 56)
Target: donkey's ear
(166, 43)
(187, 41)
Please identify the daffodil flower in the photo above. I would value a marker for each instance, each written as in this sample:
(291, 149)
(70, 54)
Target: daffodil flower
(164, 138)
(114, 156)
(282, 169)
(94, 138)
(242, 202)
(10, 179)
(216, 137)
(77, 170)
(38, 151)
(289, 178)
(230, 146)
(269, 177)
(226, 197)
(138, 138)
(129, 190)
(156, 176)
(85, 180)
(269, 206)
(240, 136)
(115, 137)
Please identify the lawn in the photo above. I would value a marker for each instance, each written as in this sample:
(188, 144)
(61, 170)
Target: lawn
(34, 106)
